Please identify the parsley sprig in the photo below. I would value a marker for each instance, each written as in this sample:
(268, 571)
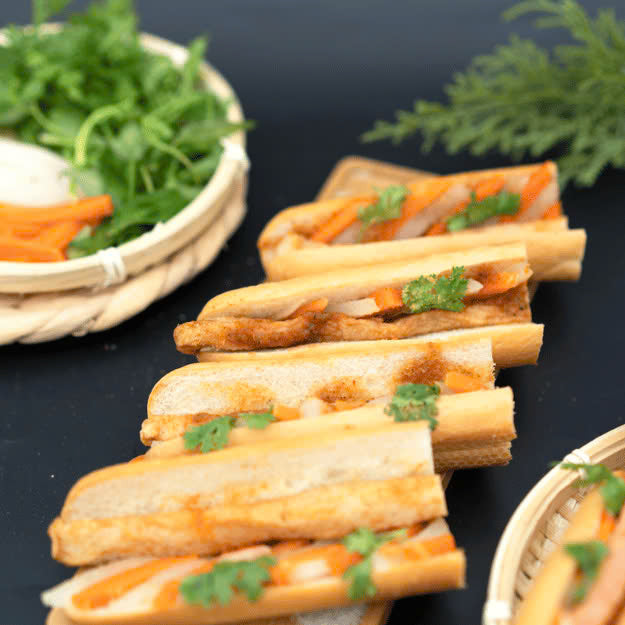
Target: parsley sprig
(130, 122)
(429, 292)
(523, 100)
(415, 402)
(388, 206)
(215, 434)
(612, 487)
(225, 578)
(589, 556)
(365, 542)
(478, 211)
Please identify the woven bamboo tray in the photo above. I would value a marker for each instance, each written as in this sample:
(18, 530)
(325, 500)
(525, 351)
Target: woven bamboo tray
(537, 525)
(100, 291)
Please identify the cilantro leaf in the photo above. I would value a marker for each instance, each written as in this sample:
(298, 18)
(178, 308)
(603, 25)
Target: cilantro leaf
(415, 402)
(257, 420)
(429, 292)
(612, 487)
(365, 542)
(209, 436)
(43, 10)
(388, 206)
(589, 556)
(478, 211)
(224, 579)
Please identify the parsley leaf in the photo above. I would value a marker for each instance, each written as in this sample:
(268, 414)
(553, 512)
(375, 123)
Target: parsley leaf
(415, 402)
(429, 293)
(589, 556)
(387, 207)
(226, 577)
(209, 436)
(478, 211)
(612, 487)
(257, 420)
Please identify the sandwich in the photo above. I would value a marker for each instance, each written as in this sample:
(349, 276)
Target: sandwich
(481, 287)
(430, 216)
(257, 531)
(583, 580)
(469, 430)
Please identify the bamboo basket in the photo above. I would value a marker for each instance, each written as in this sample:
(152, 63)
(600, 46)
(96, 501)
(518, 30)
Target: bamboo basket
(44, 301)
(537, 525)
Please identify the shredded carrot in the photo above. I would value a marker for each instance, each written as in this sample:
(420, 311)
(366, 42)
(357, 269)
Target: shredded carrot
(440, 544)
(60, 234)
(532, 189)
(285, 413)
(347, 404)
(438, 228)
(388, 298)
(103, 592)
(337, 557)
(606, 526)
(420, 549)
(413, 204)
(461, 382)
(554, 211)
(341, 219)
(84, 209)
(14, 249)
(316, 305)
(19, 230)
(499, 283)
(167, 597)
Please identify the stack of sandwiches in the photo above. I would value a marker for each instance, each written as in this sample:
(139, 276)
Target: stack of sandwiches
(296, 466)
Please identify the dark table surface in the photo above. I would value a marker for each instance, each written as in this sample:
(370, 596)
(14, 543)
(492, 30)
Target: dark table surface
(314, 74)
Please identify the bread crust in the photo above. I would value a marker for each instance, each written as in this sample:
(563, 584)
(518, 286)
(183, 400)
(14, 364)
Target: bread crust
(513, 345)
(547, 595)
(443, 572)
(322, 513)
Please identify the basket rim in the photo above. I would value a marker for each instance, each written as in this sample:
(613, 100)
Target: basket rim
(520, 529)
(160, 242)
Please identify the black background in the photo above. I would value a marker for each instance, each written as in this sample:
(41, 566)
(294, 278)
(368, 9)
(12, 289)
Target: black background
(314, 74)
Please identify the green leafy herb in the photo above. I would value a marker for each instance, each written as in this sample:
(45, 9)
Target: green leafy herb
(225, 578)
(478, 211)
(429, 292)
(365, 542)
(415, 402)
(209, 436)
(612, 487)
(523, 100)
(387, 207)
(257, 420)
(589, 556)
(130, 122)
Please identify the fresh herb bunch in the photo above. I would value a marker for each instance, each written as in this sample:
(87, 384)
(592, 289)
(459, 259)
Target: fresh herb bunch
(612, 487)
(415, 402)
(131, 124)
(388, 206)
(225, 578)
(523, 100)
(365, 542)
(478, 211)
(429, 292)
(589, 556)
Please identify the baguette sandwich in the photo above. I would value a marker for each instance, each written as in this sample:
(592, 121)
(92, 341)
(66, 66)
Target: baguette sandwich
(431, 216)
(583, 580)
(257, 531)
(481, 287)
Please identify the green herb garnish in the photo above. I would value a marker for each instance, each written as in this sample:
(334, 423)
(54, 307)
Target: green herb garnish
(429, 292)
(523, 100)
(257, 420)
(215, 434)
(612, 487)
(365, 542)
(130, 122)
(388, 206)
(415, 402)
(589, 556)
(220, 584)
(478, 211)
